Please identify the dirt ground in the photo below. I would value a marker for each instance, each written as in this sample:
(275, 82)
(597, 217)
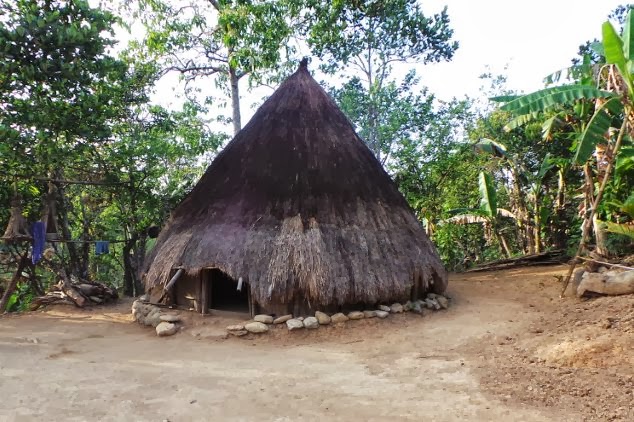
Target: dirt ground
(508, 349)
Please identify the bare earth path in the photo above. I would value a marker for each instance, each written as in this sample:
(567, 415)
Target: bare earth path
(507, 349)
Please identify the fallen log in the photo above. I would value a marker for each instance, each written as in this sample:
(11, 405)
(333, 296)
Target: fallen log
(606, 284)
(544, 258)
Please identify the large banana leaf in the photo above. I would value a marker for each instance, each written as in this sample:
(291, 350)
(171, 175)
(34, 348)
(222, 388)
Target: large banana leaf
(626, 229)
(488, 197)
(618, 51)
(549, 125)
(625, 161)
(597, 128)
(628, 38)
(553, 97)
(504, 98)
(613, 47)
(489, 146)
(506, 213)
(466, 219)
(475, 216)
(547, 164)
(520, 120)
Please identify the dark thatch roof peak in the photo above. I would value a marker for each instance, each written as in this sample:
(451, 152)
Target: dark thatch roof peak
(298, 206)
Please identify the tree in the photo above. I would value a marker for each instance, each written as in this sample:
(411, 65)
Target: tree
(371, 36)
(223, 39)
(401, 115)
(61, 90)
(77, 126)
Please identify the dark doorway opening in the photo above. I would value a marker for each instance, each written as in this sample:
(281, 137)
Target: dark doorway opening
(225, 295)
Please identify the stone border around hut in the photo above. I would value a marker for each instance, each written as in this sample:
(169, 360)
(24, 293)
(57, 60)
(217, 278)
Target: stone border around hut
(261, 323)
(166, 324)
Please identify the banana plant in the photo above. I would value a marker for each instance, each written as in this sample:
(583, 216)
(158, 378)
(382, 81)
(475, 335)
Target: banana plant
(613, 108)
(488, 214)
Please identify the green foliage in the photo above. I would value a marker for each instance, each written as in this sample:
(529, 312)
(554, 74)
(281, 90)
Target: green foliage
(367, 38)
(399, 114)
(597, 127)
(488, 196)
(379, 32)
(550, 98)
(73, 112)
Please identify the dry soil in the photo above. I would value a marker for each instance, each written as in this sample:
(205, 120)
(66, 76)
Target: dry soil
(508, 349)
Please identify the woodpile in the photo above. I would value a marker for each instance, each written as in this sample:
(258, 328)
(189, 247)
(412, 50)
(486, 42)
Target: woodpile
(79, 294)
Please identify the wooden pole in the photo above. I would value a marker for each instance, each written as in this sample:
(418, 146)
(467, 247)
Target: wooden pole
(204, 300)
(174, 279)
(14, 282)
(171, 283)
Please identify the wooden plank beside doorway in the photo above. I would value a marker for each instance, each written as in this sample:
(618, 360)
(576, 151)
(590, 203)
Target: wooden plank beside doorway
(205, 293)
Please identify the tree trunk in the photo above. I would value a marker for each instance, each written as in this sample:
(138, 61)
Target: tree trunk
(13, 284)
(235, 100)
(523, 220)
(139, 261)
(73, 267)
(588, 203)
(561, 190)
(85, 247)
(537, 225)
(129, 278)
(600, 236)
(505, 246)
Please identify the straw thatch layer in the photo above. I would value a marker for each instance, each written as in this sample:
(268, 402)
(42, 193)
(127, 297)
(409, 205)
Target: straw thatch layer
(299, 207)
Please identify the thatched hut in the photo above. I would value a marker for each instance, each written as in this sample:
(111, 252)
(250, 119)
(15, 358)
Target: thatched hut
(294, 215)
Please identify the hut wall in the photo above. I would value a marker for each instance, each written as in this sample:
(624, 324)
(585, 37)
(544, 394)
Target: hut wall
(186, 288)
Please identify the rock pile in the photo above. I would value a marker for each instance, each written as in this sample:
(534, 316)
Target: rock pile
(262, 323)
(151, 315)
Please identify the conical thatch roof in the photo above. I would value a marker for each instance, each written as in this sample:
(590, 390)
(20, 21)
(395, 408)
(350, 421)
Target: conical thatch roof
(300, 208)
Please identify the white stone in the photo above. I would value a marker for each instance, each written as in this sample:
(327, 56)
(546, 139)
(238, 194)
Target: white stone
(239, 333)
(369, 314)
(294, 324)
(355, 315)
(323, 318)
(282, 319)
(432, 303)
(256, 327)
(165, 329)
(153, 319)
(311, 322)
(384, 308)
(339, 317)
(170, 318)
(396, 308)
(442, 301)
(264, 319)
(416, 307)
(381, 314)
(237, 327)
